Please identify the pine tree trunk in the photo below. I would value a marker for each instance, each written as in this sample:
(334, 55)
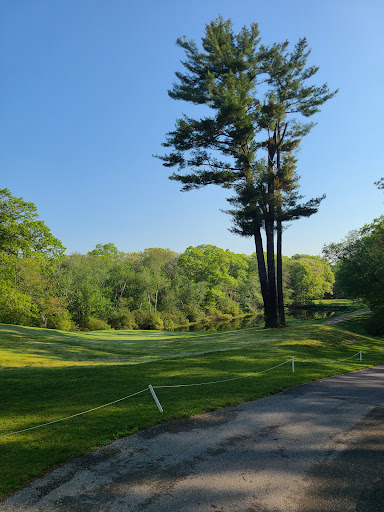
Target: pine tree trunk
(270, 235)
(269, 230)
(279, 250)
(279, 264)
(262, 275)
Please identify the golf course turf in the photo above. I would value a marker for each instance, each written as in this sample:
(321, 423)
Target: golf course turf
(47, 375)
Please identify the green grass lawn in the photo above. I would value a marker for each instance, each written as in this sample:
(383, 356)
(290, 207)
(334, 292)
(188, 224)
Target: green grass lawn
(46, 375)
(347, 304)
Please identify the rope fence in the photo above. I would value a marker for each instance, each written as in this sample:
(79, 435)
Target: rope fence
(152, 390)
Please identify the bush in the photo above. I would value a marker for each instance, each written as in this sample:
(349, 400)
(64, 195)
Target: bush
(146, 320)
(211, 311)
(170, 320)
(218, 315)
(375, 323)
(122, 319)
(230, 307)
(61, 322)
(94, 324)
(193, 313)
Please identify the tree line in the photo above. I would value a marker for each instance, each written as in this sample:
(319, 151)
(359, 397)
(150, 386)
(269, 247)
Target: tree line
(151, 289)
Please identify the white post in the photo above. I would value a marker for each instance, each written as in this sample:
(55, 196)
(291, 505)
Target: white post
(293, 364)
(361, 356)
(155, 398)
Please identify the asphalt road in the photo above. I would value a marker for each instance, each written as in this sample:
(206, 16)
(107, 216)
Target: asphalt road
(315, 448)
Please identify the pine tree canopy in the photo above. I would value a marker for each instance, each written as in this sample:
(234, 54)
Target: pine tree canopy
(255, 100)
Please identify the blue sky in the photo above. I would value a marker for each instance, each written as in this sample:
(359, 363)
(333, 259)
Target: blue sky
(85, 106)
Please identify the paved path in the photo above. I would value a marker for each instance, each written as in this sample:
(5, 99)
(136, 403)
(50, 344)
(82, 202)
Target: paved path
(314, 448)
(338, 319)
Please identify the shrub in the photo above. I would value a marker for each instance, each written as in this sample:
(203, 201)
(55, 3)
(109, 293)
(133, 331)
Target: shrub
(61, 322)
(122, 319)
(211, 311)
(170, 320)
(230, 307)
(193, 313)
(375, 323)
(94, 324)
(146, 320)
(218, 315)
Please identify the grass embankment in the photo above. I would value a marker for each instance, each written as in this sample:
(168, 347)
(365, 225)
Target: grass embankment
(342, 305)
(46, 375)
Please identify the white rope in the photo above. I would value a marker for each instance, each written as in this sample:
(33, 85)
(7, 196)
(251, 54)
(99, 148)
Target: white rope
(170, 386)
(218, 381)
(335, 361)
(73, 415)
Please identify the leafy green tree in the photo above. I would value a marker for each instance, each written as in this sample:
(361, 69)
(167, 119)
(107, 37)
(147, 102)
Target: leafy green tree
(35, 278)
(83, 282)
(29, 254)
(108, 250)
(224, 77)
(15, 307)
(221, 271)
(310, 278)
(157, 265)
(21, 233)
(360, 263)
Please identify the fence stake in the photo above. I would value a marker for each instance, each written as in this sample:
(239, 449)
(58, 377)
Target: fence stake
(293, 363)
(361, 356)
(155, 398)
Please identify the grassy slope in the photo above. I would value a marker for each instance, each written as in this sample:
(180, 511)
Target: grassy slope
(45, 375)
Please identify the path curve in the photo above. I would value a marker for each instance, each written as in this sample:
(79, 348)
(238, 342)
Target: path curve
(338, 319)
(314, 448)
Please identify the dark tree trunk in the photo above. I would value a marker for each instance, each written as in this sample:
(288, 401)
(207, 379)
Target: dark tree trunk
(263, 276)
(269, 229)
(279, 251)
(279, 264)
(270, 235)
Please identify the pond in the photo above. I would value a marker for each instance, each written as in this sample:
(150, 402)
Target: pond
(313, 313)
(243, 322)
(248, 321)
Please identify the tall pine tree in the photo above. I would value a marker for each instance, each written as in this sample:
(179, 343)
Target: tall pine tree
(224, 148)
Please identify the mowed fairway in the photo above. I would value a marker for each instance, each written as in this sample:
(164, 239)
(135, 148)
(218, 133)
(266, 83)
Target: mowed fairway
(46, 375)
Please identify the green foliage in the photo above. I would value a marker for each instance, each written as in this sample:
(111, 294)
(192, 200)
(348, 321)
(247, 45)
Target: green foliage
(193, 313)
(20, 230)
(246, 120)
(153, 289)
(359, 263)
(359, 268)
(83, 281)
(147, 320)
(310, 277)
(93, 324)
(16, 307)
(122, 319)
(108, 250)
(375, 323)
(62, 322)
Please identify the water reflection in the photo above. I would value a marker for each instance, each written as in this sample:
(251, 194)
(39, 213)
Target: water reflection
(312, 314)
(246, 322)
